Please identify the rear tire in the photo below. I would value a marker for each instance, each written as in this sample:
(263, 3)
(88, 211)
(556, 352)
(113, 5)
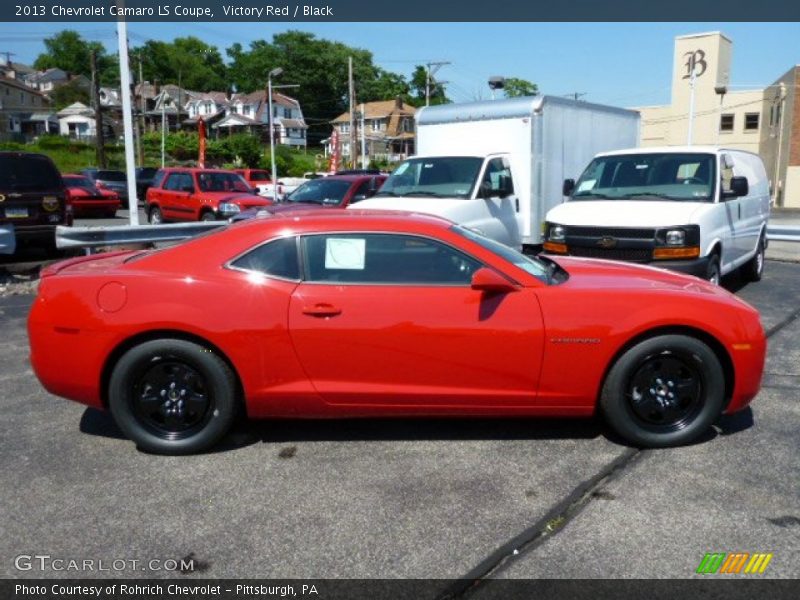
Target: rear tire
(172, 396)
(154, 216)
(208, 216)
(753, 270)
(665, 391)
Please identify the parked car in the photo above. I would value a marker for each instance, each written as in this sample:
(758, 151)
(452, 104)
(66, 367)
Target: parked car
(344, 313)
(144, 179)
(261, 180)
(696, 209)
(180, 194)
(87, 200)
(333, 191)
(33, 200)
(109, 179)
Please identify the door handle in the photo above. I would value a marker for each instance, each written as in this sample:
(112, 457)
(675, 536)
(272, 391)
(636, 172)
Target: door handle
(322, 310)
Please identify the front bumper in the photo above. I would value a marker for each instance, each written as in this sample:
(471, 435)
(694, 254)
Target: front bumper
(696, 266)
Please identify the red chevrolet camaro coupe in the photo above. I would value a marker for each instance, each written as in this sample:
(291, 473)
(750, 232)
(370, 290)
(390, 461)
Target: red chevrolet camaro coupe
(355, 314)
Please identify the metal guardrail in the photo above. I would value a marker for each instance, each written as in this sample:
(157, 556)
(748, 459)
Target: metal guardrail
(783, 233)
(95, 237)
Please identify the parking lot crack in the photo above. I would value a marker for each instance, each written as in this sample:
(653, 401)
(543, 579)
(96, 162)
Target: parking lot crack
(545, 528)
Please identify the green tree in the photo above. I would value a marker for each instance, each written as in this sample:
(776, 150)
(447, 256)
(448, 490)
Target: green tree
(418, 83)
(69, 93)
(67, 50)
(515, 88)
(188, 61)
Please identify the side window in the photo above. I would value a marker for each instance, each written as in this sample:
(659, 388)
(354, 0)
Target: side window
(726, 172)
(384, 259)
(173, 182)
(187, 182)
(497, 178)
(159, 178)
(277, 258)
(365, 189)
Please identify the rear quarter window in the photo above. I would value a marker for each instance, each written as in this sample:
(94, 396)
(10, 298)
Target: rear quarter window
(30, 173)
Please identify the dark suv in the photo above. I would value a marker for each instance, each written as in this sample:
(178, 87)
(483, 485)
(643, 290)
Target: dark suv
(32, 197)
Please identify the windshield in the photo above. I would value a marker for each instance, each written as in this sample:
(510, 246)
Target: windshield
(28, 173)
(532, 265)
(440, 176)
(83, 182)
(110, 176)
(222, 182)
(656, 176)
(330, 192)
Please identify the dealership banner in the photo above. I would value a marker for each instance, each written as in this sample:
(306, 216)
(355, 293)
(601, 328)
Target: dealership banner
(287, 11)
(398, 589)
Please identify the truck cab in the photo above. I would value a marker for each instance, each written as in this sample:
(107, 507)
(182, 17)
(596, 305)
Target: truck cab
(701, 210)
(474, 190)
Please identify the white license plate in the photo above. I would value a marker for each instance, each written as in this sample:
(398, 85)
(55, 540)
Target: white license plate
(16, 213)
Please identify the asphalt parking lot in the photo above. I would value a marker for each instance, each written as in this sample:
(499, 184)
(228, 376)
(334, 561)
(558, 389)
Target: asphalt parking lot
(407, 498)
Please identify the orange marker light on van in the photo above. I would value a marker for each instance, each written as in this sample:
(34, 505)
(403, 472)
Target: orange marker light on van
(662, 253)
(555, 248)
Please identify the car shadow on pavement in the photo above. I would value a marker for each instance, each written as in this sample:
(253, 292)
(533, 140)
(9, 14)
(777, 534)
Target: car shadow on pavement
(271, 431)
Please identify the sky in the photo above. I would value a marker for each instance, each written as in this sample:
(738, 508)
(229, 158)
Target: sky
(622, 64)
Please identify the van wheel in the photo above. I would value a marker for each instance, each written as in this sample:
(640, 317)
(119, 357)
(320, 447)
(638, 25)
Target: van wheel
(753, 269)
(665, 391)
(713, 274)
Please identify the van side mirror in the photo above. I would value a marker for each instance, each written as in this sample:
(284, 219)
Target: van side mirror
(568, 187)
(506, 186)
(739, 186)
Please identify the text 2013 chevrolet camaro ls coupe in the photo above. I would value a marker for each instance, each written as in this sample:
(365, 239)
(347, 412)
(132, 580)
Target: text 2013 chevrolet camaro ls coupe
(356, 313)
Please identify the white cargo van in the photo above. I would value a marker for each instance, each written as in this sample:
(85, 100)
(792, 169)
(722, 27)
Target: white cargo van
(696, 209)
(497, 166)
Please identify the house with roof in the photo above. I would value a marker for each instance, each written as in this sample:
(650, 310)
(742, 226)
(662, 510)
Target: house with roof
(388, 130)
(250, 112)
(48, 80)
(24, 112)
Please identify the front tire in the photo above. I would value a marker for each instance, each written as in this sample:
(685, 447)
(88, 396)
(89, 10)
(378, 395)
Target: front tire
(753, 270)
(172, 396)
(713, 270)
(665, 391)
(208, 216)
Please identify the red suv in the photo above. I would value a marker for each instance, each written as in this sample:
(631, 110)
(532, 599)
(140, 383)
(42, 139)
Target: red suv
(199, 195)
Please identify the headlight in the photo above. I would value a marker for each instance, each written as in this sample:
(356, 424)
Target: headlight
(676, 237)
(229, 208)
(557, 233)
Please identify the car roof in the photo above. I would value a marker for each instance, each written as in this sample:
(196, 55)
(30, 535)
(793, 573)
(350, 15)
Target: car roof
(353, 219)
(346, 177)
(196, 170)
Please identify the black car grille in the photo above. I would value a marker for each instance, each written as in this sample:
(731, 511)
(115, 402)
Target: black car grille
(630, 254)
(616, 232)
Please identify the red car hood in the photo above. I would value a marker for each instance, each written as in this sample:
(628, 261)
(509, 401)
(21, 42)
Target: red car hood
(606, 274)
(238, 198)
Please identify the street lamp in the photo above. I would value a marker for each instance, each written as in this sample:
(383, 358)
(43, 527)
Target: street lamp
(274, 73)
(496, 83)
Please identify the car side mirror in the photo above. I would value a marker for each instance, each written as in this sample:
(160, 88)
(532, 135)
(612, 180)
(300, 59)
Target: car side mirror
(568, 187)
(489, 280)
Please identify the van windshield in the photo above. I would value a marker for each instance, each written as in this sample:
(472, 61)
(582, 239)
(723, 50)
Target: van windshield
(440, 176)
(657, 176)
(28, 173)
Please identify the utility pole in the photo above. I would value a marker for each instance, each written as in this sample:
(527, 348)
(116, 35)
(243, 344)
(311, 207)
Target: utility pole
(351, 88)
(363, 140)
(429, 77)
(99, 142)
(142, 107)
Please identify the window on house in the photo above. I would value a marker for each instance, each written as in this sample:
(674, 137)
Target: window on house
(751, 121)
(376, 124)
(726, 123)
(287, 113)
(344, 128)
(246, 110)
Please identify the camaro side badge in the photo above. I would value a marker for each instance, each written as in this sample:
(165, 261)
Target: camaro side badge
(575, 340)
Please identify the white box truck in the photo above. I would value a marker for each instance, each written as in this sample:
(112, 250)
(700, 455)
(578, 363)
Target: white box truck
(498, 166)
